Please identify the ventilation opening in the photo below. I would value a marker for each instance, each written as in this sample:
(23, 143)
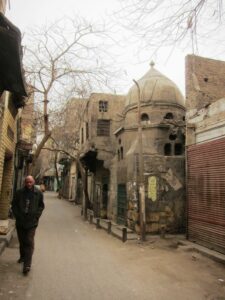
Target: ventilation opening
(167, 149)
(144, 117)
(168, 116)
(206, 79)
(172, 137)
(178, 149)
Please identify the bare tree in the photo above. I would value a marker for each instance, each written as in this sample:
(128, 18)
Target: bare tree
(61, 59)
(160, 23)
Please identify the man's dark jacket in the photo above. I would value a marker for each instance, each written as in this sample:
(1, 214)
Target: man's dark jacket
(27, 219)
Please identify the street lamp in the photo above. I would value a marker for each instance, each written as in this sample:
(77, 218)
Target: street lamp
(141, 185)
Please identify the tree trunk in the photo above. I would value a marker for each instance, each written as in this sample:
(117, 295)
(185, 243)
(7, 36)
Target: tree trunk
(38, 151)
(56, 171)
(85, 186)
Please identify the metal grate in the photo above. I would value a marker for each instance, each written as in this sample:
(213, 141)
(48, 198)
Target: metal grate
(206, 194)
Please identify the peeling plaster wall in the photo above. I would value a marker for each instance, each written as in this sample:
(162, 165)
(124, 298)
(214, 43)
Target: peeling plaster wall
(164, 195)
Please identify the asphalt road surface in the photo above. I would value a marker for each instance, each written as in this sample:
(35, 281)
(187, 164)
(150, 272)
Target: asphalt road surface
(75, 261)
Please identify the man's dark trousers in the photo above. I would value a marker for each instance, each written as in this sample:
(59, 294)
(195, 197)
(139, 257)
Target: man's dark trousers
(26, 241)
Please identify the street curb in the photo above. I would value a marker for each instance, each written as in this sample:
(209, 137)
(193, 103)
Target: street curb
(6, 239)
(190, 246)
(214, 255)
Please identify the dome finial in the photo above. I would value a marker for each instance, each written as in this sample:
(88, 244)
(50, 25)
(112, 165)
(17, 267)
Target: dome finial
(152, 64)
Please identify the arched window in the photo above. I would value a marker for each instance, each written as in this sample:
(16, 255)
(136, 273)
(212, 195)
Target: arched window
(167, 149)
(144, 117)
(178, 150)
(168, 116)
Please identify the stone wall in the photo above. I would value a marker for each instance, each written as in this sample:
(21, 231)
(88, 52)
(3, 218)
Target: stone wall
(164, 194)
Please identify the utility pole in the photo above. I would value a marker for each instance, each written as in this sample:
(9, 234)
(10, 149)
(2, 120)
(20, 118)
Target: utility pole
(141, 185)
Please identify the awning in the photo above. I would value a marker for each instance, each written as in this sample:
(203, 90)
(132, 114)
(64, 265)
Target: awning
(11, 73)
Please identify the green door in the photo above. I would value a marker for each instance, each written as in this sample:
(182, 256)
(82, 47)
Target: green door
(121, 204)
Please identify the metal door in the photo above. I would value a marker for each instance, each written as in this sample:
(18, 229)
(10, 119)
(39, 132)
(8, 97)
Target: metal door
(121, 204)
(206, 194)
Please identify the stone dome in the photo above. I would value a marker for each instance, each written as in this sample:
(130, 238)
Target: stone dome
(155, 87)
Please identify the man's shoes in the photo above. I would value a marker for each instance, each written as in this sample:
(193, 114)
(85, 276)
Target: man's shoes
(26, 270)
(20, 260)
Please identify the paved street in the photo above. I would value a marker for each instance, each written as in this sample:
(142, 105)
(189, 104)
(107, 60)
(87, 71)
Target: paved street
(75, 261)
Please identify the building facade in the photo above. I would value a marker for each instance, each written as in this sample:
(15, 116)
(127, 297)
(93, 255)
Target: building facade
(162, 122)
(205, 90)
(12, 93)
(97, 150)
(110, 153)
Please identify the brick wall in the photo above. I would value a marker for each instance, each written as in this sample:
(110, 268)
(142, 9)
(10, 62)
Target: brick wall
(205, 81)
(7, 150)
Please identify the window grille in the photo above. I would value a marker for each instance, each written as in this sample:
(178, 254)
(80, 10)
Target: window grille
(103, 106)
(103, 127)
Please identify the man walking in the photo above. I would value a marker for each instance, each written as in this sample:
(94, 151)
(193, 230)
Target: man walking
(27, 207)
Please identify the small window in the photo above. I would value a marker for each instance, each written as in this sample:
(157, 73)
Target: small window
(121, 152)
(144, 117)
(178, 149)
(87, 131)
(118, 154)
(168, 116)
(103, 127)
(167, 149)
(103, 106)
(119, 141)
(82, 135)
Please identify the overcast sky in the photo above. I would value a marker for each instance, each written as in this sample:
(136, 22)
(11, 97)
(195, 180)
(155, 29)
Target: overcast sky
(28, 13)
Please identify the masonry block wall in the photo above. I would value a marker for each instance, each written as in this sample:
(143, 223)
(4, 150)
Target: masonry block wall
(205, 81)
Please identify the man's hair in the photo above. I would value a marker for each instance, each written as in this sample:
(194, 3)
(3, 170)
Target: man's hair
(29, 177)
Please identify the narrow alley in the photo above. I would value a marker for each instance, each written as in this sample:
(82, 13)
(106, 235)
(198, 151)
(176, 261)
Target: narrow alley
(75, 261)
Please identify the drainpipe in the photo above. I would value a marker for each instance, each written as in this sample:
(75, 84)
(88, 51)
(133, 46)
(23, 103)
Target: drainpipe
(142, 213)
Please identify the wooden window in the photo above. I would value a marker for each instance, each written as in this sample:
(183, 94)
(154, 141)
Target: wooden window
(103, 127)
(103, 106)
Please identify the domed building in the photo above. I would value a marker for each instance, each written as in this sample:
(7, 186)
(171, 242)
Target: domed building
(158, 123)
